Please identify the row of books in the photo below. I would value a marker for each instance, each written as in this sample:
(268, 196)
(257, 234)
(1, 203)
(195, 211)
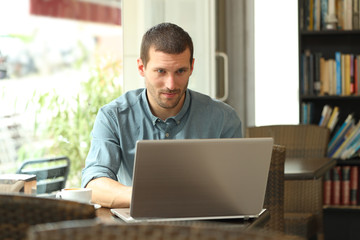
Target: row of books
(315, 14)
(341, 186)
(345, 142)
(334, 76)
(329, 115)
(306, 113)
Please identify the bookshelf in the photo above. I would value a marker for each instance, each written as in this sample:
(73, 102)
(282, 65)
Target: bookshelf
(331, 81)
(323, 79)
(346, 104)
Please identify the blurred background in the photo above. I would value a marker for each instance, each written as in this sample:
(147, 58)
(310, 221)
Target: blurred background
(59, 61)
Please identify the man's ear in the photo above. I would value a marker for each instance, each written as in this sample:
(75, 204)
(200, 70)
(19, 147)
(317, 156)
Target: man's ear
(192, 65)
(141, 67)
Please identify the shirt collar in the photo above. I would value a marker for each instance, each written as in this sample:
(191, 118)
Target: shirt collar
(178, 117)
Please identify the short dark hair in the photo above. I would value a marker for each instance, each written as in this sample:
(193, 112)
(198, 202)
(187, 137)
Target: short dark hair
(168, 38)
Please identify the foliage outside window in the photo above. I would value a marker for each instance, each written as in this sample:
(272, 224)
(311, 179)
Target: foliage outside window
(68, 121)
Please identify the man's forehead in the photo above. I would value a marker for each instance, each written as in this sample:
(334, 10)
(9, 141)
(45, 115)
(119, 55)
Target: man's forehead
(159, 57)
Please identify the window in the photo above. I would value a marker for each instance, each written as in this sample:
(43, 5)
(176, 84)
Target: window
(276, 62)
(50, 53)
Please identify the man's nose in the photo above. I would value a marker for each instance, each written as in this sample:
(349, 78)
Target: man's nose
(170, 82)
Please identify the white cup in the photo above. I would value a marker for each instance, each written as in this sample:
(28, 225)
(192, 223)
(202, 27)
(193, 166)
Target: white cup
(82, 195)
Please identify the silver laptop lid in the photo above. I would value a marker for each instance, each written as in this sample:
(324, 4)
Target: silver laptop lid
(200, 177)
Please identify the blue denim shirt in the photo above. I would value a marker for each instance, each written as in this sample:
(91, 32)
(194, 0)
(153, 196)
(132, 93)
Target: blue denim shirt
(127, 119)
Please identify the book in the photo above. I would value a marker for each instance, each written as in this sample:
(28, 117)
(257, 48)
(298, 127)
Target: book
(303, 75)
(356, 84)
(338, 73)
(333, 73)
(331, 67)
(325, 115)
(302, 15)
(317, 15)
(340, 14)
(356, 15)
(310, 112)
(333, 118)
(352, 79)
(345, 185)
(308, 73)
(337, 139)
(348, 17)
(358, 7)
(336, 186)
(347, 75)
(352, 133)
(311, 73)
(324, 12)
(327, 185)
(354, 182)
(324, 77)
(311, 16)
(358, 74)
(343, 91)
(342, 139)
(332, 79)
(353, 148)
(317, 83)
(306, 14)
(304, 111)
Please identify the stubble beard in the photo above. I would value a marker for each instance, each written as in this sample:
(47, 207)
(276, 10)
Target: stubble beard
(172, 103)
(163, 102)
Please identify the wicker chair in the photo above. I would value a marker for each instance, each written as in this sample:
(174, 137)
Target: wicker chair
(19, 212)
(88, 230)
(303, 198)
(274, 197)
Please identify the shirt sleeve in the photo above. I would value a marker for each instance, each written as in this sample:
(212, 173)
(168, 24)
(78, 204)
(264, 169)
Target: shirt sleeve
(232, 126)
(104, 157)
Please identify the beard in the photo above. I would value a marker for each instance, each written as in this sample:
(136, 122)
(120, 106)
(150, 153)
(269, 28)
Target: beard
(167, 103)
(163, 101)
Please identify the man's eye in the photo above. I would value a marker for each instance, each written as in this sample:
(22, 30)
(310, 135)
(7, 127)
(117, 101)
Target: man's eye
(160, 71)
(180, 71)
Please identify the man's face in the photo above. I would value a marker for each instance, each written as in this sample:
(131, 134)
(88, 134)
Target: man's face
(166, 79)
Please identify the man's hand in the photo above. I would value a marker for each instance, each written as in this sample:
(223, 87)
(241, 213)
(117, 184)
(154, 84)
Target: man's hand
(110, 193)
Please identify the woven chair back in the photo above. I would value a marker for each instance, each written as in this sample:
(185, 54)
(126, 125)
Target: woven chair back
(19, 212)
(274, 197)
(300, 140)
(92, 230)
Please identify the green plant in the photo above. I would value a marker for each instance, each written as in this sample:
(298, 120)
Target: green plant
(69, 121)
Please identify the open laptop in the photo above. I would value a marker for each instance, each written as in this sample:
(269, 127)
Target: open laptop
(198, 179)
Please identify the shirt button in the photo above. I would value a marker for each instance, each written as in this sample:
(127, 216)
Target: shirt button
(178, 122)
(167, 134)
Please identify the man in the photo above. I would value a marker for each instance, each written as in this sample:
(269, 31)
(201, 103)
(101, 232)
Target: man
(165, 109)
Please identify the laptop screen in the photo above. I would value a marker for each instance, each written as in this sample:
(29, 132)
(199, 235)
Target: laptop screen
(200, 177)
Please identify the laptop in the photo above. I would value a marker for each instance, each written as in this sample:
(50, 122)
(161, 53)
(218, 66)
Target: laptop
(198, 179)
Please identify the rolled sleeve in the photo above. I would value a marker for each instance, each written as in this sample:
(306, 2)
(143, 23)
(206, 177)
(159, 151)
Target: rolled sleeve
(105, 151)
(102, 161)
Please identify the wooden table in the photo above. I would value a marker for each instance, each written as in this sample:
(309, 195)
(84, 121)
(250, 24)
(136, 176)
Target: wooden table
(307, 168)
(104, 215)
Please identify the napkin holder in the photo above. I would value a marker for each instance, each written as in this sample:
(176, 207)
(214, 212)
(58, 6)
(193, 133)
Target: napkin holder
(18, 183)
